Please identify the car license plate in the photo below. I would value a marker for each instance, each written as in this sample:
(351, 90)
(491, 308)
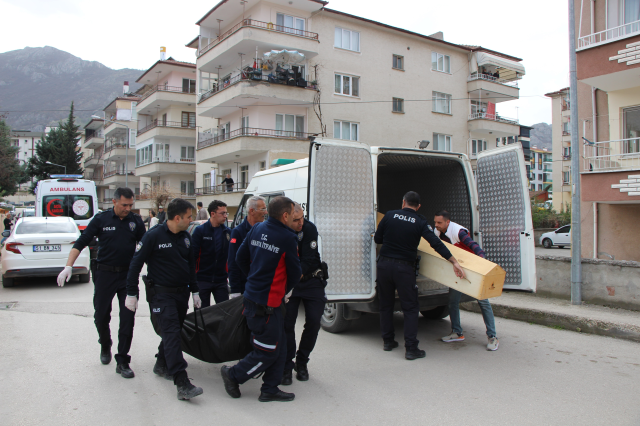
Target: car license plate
(55, 247)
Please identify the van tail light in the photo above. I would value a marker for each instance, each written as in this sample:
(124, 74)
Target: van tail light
(12, 247)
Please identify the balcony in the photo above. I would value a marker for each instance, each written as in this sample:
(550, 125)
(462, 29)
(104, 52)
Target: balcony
(159, 167)
(493, 124)
(608, 36)
(169, 129)
(117, 151)
(231, 196)
(92, 161)
(612, 156)
(249, 141)
(165, 96)
(120, 177)
(488, 88)
(94, 140)
(248, 88)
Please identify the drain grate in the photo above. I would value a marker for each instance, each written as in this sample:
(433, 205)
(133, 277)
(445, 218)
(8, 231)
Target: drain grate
(7, 305)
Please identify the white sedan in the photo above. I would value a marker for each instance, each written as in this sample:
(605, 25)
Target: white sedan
(39, 247)
(560, 237)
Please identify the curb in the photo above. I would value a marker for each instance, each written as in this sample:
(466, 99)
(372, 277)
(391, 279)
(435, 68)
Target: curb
(562, 321)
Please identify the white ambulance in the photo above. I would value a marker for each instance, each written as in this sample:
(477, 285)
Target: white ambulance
(67, 196)
(342, 186)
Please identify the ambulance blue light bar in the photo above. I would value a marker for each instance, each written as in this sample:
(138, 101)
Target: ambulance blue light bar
(66, 176)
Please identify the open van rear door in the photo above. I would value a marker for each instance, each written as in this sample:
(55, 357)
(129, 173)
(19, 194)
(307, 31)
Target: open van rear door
(505, 215)
(341, 205)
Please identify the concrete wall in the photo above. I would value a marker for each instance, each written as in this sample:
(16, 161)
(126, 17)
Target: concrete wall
(604, 282)
(538, 232)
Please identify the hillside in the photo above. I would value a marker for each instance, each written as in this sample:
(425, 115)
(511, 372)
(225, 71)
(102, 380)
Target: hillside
(40, 80)
(541, 136)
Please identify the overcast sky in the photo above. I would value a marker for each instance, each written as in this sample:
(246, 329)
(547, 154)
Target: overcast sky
(128, 34)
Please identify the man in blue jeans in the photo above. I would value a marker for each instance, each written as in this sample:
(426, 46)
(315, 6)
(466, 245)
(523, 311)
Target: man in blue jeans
(457, 235)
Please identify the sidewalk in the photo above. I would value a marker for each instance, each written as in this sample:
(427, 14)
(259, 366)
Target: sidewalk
(560, 314)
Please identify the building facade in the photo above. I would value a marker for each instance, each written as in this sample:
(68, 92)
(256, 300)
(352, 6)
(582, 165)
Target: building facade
(561, 148)
(348, 78)
(540, 175)
(608, 62)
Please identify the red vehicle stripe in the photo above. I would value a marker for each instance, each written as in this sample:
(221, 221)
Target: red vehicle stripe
(82, 228)
(279, 284)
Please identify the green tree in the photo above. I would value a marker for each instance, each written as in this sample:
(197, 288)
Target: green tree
(12, 174)
(60, 146)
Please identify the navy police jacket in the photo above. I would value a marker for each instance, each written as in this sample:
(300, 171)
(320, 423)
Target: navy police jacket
(237, 279)
(210, 266)
(400, 231)
(269, 258)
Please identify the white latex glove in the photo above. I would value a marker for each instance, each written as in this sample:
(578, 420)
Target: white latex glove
(234, 295)
(131, 303)
(64, 276)
(287, 296)
(197, 303)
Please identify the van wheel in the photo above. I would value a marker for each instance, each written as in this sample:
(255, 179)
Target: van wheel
(546, 243)
(437, 313)
(85, 278)
(7, 282)
(560, 246)
(333, 319)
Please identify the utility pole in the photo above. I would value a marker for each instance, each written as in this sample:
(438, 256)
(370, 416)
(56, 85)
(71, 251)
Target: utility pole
(576, 249)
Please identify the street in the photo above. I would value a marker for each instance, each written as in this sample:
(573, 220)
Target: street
(553, 251)
(52, 375)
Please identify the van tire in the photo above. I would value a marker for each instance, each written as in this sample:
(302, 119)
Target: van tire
(560, 246)
(333, 320)
(435, 314)
(85, 278)
(7, 282)
(546, 243)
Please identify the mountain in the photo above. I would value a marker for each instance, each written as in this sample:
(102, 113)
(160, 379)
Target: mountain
(541, 136)
(40, 79)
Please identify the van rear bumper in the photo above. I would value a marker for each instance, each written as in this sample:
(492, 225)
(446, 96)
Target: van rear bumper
(42, 272)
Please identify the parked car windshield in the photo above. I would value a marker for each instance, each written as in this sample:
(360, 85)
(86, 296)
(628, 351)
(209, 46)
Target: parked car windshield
(46, 228)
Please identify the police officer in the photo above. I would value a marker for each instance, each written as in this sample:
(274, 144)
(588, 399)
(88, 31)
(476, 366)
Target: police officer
(399, 232)
(118, 230)
(310, 291)
(211, 248)
(269, 257)
(256, 211)
(168, 252)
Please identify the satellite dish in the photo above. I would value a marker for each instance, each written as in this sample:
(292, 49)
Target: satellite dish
(423, 144)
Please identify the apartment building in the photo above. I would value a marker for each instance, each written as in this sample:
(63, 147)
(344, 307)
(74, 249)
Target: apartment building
(561, 148)
(540, 175)
(166, 131)
(271, 74)
(608, 62)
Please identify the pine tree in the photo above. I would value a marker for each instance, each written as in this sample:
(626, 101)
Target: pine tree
(60, 146)
(12, 174)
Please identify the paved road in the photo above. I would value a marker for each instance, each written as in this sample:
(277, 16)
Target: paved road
(51, 375)
(554, 251)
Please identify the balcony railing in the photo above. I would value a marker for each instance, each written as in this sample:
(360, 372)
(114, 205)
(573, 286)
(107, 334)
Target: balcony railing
(479, 76)
(93, 156)
(94, 135)
(566, 106)
(208, 139)
(112, 146)
(166, 160)
(222, 189)
(165, 88)
(609, 35)
(119, 173)
(159, 123)
(492, 117)
(96, 176)
(566, 133)
(623, 154)
(252, 23)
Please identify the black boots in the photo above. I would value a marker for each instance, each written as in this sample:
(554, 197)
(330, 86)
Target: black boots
(161, 369)
(414, 353)
(389, 345)
(286, 378)
(185, 389)
(124, 370)
(105, 354)
(230, 385)
(302, 373)
(278, 396)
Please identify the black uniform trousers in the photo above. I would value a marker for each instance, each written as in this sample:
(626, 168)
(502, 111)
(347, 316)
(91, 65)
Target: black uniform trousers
(311, 294)
(171, 309)
(269, 349)
(107, 284)
(401, 277)
(219, 291)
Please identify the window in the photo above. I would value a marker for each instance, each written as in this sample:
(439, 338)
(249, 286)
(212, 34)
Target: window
(441, 102)
(477, 146)
(566, 178)
(188, 85)
(244, 176)
(497, 142)
(347, 85)
(539, 166)
(440, 62)
(539, 176)
(533, 186)
(187, 153)
(478, 107)
(162, 152)
(206, 180)
(262, 165)
(188, 119)
(566, 128)
(347, 39)
(143, 155)
(346, 130)
(631, 118)
(398, 105)
(620, 12)
(441, 142)
(290, 125)
(63, 206)
(566, 153)
(187, 187)
(244, 122)
(539, 187)
(290, 24)
(398, 62)
(207, 81)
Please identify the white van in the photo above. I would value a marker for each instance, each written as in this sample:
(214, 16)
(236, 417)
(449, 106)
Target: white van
(343, 185)
(67, 196)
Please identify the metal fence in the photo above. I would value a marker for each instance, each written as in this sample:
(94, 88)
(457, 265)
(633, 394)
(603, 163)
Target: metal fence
(165, 88)
(174, 124)
(609, 35)
(208, 139)
(222, 189)
(492, 117)
(623, 154)
(479, 76)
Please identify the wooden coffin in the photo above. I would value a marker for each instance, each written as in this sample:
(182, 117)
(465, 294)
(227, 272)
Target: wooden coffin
(484, 278)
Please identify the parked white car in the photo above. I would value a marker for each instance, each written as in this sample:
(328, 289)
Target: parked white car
(39, 247)
(560, 237)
